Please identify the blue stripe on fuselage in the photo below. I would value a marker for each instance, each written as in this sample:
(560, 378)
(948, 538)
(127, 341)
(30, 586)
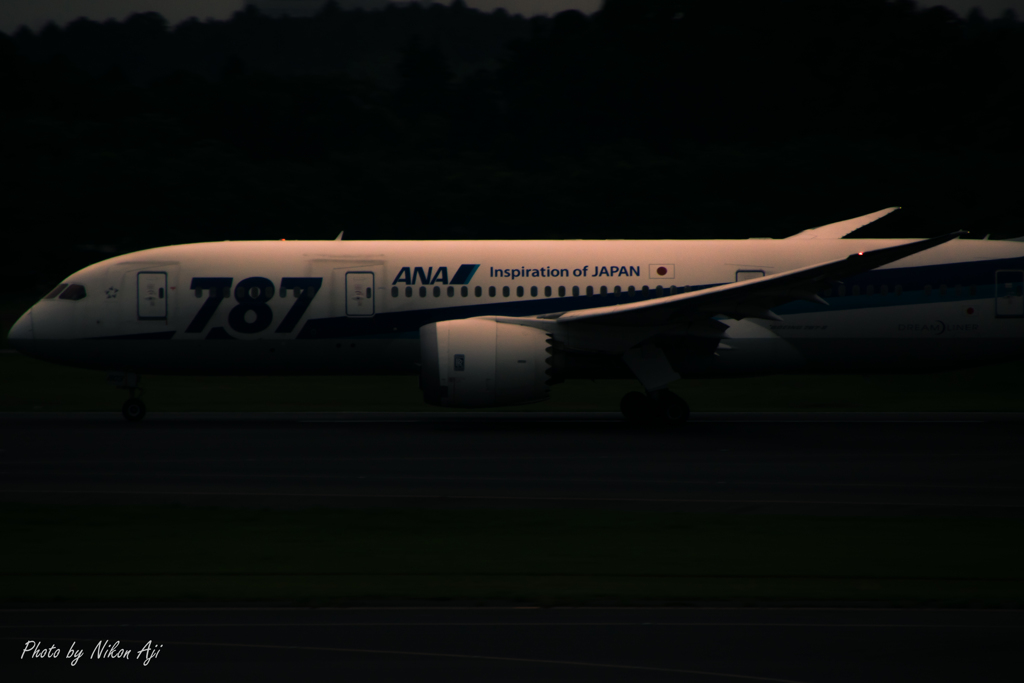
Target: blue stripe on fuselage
(979, 274)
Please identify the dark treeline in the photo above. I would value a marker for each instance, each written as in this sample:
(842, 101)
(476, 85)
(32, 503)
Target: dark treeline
(144, 48)
(651, 118)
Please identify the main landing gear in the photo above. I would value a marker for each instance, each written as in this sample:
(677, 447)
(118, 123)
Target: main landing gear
(659, 408)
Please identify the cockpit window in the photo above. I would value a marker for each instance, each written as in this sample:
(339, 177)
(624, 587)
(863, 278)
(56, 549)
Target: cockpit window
(56, 290)
(73, 293)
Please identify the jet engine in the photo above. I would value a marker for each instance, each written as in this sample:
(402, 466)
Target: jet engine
(476, 363)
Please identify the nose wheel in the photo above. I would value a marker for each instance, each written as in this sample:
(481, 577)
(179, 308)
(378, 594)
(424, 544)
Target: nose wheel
(133, 409)
(660, 408)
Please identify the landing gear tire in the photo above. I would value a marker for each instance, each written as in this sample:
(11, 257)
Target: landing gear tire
(133, 410)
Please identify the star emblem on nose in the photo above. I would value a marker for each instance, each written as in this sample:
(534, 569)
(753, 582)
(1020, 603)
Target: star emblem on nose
(111, 292)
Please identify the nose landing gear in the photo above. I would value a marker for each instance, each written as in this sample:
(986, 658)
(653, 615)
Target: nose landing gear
(658, 408)
(133, 409)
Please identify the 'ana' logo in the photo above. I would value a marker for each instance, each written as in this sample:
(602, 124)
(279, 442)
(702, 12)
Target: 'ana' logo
(413, 275)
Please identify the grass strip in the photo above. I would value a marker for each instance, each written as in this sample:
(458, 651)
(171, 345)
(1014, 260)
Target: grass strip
(571, 557)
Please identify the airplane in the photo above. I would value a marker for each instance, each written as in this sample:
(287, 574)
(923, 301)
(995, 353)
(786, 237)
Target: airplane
(497, 323)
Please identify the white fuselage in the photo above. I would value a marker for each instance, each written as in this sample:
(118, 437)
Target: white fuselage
(340, 307)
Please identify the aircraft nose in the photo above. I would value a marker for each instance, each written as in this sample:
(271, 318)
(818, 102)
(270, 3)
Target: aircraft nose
(21, 335)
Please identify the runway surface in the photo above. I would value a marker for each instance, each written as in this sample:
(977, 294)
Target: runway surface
(895, 464)
(915, 465)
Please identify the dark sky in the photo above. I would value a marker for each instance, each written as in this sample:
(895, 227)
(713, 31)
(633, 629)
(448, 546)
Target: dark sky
(35, 13)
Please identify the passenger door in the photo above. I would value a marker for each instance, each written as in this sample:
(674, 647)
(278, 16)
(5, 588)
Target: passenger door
(152, 295)
(354, 293)
(359, 294)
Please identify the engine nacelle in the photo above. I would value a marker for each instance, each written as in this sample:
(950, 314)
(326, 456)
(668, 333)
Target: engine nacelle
(477, 363)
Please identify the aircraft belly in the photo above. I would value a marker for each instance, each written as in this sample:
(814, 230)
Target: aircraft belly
(911, 338)
(356, 356)
(887, 354)
(749, 348)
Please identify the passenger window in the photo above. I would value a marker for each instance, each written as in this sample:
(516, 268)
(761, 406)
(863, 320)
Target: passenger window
(884, 290)
(547, 291)
(927, 290)
(870, 290)
(561, 290)
(590, 290)
(451, 292)
(855, 290)
(618, 290)
(75, 292)
(394, 292)
(942, 290)
(632, 290)
(575, 290)
(57, 290)
(841, 290)
(408, 291)
(505, 291)
(492, 292)
(604, 290)
(423, 292)
(465, 292)
(519, 291)
(672, 290)
(659, 291)
(645, 290)
(899, 290)
(533, 290)
(437, 291)
(479, 291)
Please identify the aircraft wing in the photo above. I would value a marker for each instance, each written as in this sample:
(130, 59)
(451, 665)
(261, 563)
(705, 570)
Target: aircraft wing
(748, 298)
(842, 228)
